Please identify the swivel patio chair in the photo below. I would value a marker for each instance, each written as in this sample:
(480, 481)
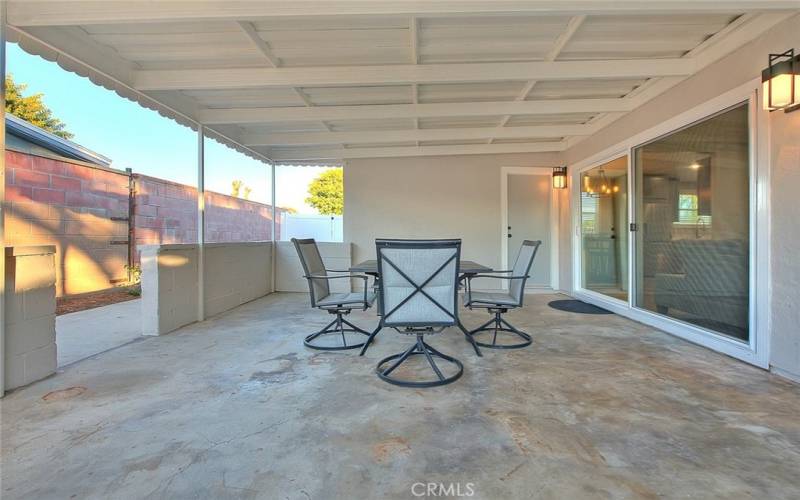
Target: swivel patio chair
(338, 304)
(499, 303)
(418, 296)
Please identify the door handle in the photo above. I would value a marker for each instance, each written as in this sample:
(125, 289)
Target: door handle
(509, 236)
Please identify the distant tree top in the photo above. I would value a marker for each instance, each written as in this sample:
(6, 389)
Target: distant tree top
(32, 109)
(326, 192)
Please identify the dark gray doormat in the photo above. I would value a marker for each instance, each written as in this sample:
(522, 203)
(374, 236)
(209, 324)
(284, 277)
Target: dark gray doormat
(577, 306)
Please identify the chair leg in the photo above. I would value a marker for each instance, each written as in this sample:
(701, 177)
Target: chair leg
(337, 326)
(468, 335)
(498, 325)
(418, 348)
(370, 339)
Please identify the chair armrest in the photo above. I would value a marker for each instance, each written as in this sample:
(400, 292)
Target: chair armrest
(321, 277)
(349, 276)
(497, 277)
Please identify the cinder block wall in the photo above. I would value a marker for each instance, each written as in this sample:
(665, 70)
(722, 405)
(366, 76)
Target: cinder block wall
(30, 319)
(235, 273)
(70, 206)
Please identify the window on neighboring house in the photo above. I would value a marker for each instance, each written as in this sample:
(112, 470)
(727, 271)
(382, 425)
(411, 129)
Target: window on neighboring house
(588, 214)
(687, 208)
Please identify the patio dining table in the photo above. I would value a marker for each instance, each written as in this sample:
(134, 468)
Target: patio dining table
(465, 268)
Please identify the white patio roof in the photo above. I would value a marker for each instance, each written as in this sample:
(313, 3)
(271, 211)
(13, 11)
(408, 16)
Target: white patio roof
(298, 81)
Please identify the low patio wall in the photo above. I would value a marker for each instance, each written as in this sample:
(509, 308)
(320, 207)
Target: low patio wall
(30, 314)
(289, 272)
(235, 273)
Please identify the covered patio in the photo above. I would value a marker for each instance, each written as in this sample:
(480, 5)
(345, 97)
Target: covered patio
(633, 139)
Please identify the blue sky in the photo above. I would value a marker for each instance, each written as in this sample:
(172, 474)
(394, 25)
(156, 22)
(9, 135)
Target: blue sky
(145, 141)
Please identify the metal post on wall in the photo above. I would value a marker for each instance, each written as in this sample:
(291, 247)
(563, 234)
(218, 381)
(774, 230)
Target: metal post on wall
(2, 199)
(274, 227)
(201, 223)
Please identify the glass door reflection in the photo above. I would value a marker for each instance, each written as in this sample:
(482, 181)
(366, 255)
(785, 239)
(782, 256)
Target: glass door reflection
(693, 206)
(604, 235)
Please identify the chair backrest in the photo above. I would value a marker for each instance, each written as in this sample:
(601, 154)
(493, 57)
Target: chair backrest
(522, 266)
(419, 282)
(312, 264)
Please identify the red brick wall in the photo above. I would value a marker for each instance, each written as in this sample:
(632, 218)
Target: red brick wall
(70, 205)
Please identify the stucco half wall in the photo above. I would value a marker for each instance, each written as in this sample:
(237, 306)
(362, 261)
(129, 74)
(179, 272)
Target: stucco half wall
(431, 197)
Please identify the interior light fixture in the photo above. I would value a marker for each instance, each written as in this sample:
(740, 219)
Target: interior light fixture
(560, 178)
(781, 82)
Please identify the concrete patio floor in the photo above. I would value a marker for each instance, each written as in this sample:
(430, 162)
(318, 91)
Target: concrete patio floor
(82, 334)
(236, 407)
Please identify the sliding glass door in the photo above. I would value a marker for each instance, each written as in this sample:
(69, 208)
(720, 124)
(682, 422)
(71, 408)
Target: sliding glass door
(693, 212)
(604, 229)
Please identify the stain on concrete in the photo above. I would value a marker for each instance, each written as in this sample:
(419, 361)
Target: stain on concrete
(390, 449)
(62, 394)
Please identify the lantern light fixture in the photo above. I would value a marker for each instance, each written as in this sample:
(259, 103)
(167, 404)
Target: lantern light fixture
(781, 82)
(560, 178)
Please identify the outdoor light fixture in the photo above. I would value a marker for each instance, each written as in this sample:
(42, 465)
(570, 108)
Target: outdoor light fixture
(781, 82)
(560, 178)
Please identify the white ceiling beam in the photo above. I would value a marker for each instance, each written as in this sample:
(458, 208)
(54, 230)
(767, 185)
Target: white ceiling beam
(397, 152)
(561, 42)
(430, 110)
(263, 47)
(236, 78)
(414, 36)
(59, 12)
(260, 43)
(382, 136)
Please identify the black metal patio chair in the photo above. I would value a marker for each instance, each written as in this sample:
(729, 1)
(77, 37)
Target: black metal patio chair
(418, 296)
(499, 303)
(338, 304)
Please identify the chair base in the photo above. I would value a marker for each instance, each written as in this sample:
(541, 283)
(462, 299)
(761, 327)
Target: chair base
(337, 326)
(499, 325)
(419, 348)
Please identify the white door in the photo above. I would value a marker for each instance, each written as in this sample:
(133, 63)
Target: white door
(529, 219)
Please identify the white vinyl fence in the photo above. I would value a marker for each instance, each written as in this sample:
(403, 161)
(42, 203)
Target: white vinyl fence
(319, 227)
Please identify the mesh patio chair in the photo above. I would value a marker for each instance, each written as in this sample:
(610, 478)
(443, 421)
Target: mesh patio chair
(338, 304)
(499, 303)
(419, 296)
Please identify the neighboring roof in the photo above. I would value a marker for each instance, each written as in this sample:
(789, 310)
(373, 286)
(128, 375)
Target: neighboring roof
(36, 135)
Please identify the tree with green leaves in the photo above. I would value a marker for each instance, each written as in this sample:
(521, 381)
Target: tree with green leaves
(326, 192)
(32, 109)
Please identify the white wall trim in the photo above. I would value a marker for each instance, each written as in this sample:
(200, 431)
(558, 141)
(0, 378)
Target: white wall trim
(756, 351)
(554, 222)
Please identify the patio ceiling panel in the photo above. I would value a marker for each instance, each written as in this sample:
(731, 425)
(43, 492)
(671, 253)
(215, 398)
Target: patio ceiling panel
(367, 125)
(635, 37)
(460, 122)
(322, 80)
(565, 118)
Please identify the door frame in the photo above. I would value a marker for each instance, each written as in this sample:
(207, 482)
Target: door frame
(756, 351)
(577, 240)
(554, 224)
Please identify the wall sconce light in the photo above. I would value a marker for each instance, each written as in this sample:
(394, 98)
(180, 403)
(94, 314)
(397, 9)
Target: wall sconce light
(560, 178)
(781, 82)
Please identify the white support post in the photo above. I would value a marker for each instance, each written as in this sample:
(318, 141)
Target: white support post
(2, 200)
(201, 223)
(274, 226)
